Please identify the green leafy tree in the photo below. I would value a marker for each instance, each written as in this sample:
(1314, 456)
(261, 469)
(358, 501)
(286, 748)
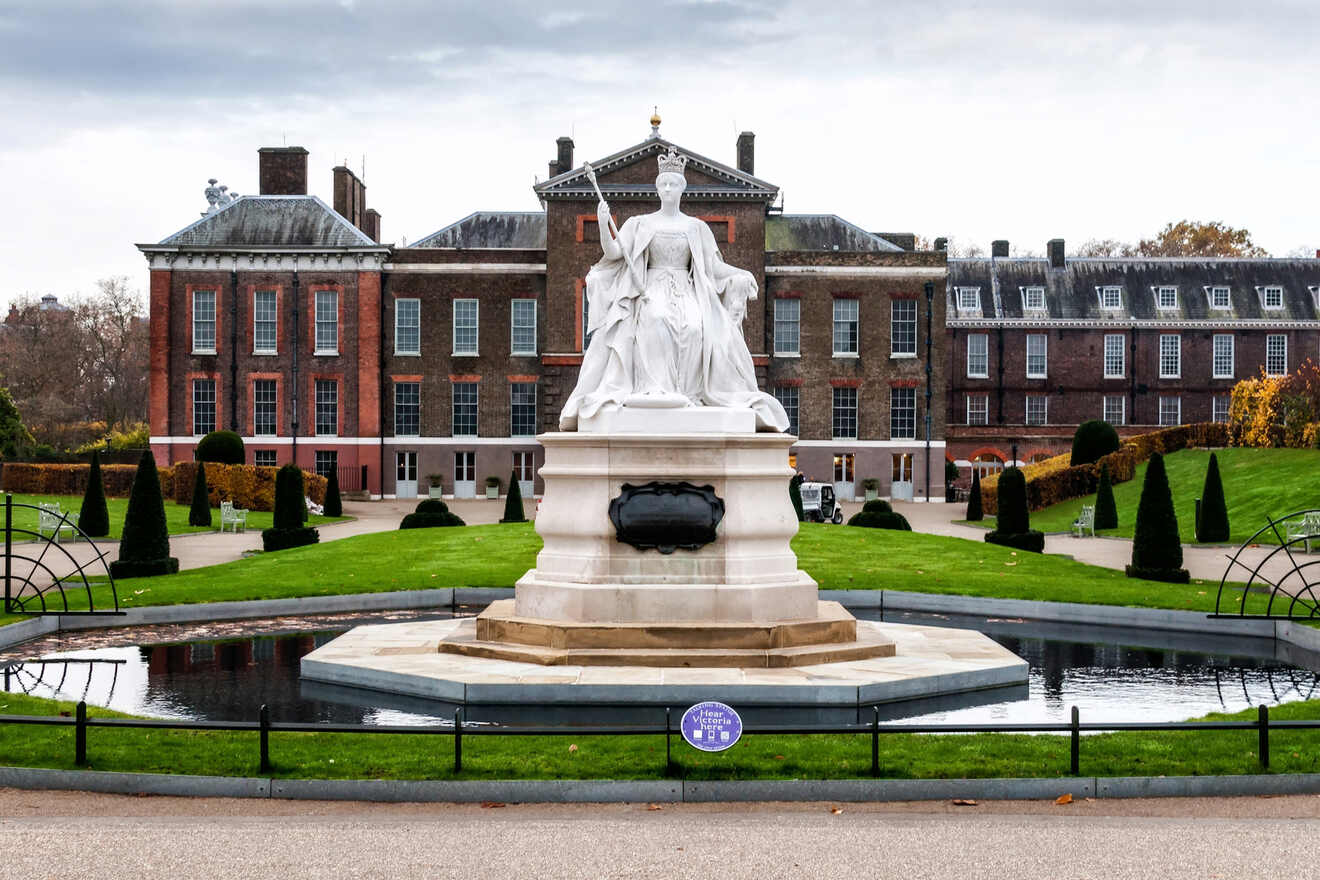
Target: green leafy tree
(94, 517)
(15, 438)
(1106, 511)
(1156, 547)
(974, 510)
(144, 548)
(200, 512)
(513, 503)
(1213, 525)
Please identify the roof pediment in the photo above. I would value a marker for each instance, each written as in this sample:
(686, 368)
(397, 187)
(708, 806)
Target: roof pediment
(630, 174)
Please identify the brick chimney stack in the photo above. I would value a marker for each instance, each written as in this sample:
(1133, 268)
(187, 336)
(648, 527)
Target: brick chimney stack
(282, 171)
(747, 152)
(350, 197)
(999, 247)
(1054, 247)
(371, 225)
(564, 154)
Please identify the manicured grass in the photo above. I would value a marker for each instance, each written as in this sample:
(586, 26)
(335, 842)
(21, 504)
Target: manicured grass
(1257, 482)
(838, 557)
(176, 515)
(810, 756)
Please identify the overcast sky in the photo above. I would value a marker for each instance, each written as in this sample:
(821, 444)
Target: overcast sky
(1023, 121)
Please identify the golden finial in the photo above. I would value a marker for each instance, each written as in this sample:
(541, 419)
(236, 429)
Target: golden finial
(655, 122)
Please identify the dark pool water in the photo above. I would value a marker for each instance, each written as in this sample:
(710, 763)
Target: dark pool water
(1111, 675)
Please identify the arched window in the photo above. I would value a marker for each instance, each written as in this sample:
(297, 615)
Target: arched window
(987, 463)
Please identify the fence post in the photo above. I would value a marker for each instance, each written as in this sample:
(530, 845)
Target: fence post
(875, 742)
(669, 761)
(80, 735)
(1076, 756)
(1263, 722)
(264, 719)
(9, 549)
(458, 740)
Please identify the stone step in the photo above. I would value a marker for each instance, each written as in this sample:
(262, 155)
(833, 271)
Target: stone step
(832, 625)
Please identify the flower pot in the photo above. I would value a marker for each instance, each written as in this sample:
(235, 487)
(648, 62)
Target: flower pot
(435, 492)
(872, 494)
(492, 493)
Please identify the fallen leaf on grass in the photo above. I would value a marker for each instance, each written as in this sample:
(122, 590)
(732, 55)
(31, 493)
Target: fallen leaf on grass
(964, 802)
(491, 805)
(779, 757)
(1010, 563)
(1063, 800)
(834, 811)
(572, 748)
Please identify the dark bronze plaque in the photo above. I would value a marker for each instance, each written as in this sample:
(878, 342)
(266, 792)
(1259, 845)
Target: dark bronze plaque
(666, 516)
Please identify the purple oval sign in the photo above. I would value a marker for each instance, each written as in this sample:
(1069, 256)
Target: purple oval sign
(711, 726)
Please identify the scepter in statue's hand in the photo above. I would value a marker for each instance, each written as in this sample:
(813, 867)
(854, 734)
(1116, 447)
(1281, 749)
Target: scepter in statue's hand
(603, 216)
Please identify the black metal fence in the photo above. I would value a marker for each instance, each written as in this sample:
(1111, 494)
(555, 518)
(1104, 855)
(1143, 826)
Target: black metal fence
(263, 727)
(352, 478)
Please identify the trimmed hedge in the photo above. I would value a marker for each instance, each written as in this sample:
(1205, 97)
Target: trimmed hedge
(245, 485)
(1032, 541)
(1013, 528)
(1106, 511)
(975, 510)
(1213, 524)
(285, 539)
(333, 505)
(290, 513)
(200, 512)
(878, 514)
(1045, 489)
(1092, 441)
(431, 513)
(94, 516)
(1156, 547)
(144, 548)
(795, 496)
(513, 503)
(221, 447)
(30, 478)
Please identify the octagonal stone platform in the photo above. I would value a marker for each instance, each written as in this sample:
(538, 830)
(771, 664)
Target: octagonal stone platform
(406, 658)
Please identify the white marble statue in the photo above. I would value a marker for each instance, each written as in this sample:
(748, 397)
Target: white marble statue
(665, 315)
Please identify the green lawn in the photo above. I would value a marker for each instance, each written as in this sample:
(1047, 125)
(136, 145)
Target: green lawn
(1257, 482)
(176, 515)
(812, 756)
(838, 557)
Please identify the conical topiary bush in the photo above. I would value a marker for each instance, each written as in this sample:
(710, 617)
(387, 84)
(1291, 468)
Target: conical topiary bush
(200, 512)
(974, 511)
(334, 505)
(144, 549)
(288, 530)
(795, 496)
(1106, 511)
(1213, 525)
(1156, 547)
(94, 517)
(1013, 524)
(513, 503)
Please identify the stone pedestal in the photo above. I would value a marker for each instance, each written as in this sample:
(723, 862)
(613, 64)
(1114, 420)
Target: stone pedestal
(585, 574)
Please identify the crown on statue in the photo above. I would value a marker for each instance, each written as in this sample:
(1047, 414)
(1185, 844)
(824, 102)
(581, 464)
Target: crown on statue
(672, 162)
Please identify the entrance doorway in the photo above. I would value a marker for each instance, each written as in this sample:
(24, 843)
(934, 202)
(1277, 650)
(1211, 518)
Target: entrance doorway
(524, 467)
(405, 474)
(900, 487)
(465, 475)
(844, 479)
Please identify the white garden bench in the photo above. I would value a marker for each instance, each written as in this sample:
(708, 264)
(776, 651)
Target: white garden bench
(1306, 529)
(51, 519)
(232, 516)
(1085, 521)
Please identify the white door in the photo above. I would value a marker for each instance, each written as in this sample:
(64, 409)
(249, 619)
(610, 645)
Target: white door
(524, 465)
(465, 475)
(843, 476)
(405, 474)
(900, 487)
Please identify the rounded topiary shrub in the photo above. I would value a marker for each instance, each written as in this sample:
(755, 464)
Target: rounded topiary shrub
(431, 513)
(880, 519)
(94, 516)
(223, 447)
(1092, 441)
(1013, 526)
(1213, 524)
(144, 548)
(290, 511)
(878, 505)
(1156, 545)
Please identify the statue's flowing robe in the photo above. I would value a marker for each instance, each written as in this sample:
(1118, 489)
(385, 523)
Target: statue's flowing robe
(726, 378)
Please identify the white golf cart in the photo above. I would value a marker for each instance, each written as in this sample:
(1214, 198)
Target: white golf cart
(819, 504)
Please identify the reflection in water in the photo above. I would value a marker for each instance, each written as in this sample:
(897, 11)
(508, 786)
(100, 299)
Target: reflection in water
(233, 678)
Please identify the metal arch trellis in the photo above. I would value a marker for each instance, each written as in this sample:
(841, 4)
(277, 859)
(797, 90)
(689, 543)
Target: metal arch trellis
(1293, 595)
(33, 585)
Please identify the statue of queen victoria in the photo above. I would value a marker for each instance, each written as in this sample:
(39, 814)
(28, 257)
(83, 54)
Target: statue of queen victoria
(665, 315)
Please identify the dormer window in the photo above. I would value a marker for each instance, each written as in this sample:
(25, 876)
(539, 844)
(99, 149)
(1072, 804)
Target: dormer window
(969, 299)
(1166, 298)
(1111, 297)
(1270, 297)
(1220, 296)
(1033, 299)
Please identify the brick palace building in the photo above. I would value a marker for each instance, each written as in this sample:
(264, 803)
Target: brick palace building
(287, 320)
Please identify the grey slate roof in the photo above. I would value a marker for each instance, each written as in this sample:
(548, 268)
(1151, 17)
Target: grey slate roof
(1071, 292)
(272, 221)
(491, 229)
(819, 232)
